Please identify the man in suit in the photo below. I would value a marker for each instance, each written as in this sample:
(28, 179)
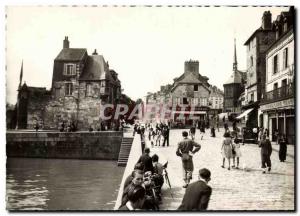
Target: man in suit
(197, 194)
(146, 160)
(266, 151)
(186, 149)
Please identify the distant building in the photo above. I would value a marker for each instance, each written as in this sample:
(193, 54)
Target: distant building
(81, 83)
(234, 87)
(216, 98)
(278, 102)
(192, 91)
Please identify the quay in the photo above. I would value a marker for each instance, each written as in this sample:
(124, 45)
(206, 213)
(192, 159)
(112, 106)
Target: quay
(236, 189)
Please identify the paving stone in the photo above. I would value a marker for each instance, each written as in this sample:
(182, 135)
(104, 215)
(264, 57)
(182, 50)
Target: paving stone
(231, 189)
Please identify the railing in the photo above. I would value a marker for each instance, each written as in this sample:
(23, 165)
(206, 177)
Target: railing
(279, 94)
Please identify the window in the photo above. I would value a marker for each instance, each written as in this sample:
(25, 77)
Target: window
(88, 89)
(284, 82)
(69, 69)
(185, 101)
(196, 101)
(195, 87)
(178, 100)
(69, 88)
(252, 97)
(285, 58)
(275, 86)
(275, 64)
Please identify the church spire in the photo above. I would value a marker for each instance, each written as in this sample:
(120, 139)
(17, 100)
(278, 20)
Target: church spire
(234, 58)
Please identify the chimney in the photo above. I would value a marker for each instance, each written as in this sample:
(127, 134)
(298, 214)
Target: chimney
(191, 67)
(66, 43)
(267, 21)
(95, 52)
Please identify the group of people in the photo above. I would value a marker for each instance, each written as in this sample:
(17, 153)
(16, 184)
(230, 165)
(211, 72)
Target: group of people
(137, 191)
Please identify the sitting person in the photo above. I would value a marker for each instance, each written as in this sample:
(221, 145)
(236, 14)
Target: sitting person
(136, 198)
(158, 174)
(137, 180)
(138, 166)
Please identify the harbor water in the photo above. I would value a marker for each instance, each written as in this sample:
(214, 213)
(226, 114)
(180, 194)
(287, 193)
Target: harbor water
(58, 184)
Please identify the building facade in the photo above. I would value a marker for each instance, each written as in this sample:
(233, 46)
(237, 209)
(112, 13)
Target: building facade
(189, 94)
(81, 84)
(278, 103)
(257, 44)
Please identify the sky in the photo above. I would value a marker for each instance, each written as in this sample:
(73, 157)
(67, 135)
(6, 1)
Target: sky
(146, 46)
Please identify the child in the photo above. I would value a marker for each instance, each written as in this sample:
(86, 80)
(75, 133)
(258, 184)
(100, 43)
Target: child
(236, 152)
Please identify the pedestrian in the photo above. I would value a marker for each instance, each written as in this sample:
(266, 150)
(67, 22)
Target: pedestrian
(198, 193)
(192, 132)
(202, 130)
(62, 126)
(226, 127)
(166, 132)
(266, 151)
(186, 149)
(158, 137)
(212, 131)
(36, 126)
(146, 160)
(282, 147)
(260, 133)
(236, 153)
(226, 149)
(276, 136)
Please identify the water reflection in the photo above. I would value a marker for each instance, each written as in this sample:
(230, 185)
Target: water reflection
(49, 184)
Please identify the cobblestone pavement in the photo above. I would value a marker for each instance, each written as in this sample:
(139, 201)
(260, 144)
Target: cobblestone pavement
(233, 189)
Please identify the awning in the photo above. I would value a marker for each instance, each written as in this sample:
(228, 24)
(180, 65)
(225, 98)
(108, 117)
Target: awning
(189, 112)
(244, 113)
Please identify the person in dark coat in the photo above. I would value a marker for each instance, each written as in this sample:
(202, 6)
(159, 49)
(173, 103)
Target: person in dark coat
(192, 132)
(166, 135)
(266, 151)
(186, 149)
(137, 180)
(197, 194)
(282, 148)
(146, 160)
(136, 198)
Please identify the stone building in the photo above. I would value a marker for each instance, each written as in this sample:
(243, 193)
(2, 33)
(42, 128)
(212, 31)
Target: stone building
(257, 44)
(81, 83)
(216, 98)
(234, 87)
(278, 102)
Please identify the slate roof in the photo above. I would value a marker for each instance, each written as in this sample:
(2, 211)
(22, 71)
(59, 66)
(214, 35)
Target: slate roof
(97, 69)
(94, 68)
(236, 77)
(71, 54)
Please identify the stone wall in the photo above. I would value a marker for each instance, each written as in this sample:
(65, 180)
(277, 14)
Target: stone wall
(80, 145)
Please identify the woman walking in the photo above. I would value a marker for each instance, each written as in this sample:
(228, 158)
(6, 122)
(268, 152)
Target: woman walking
(282, 147)
(226, 149)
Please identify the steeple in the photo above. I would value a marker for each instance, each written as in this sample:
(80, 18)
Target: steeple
(234, 58)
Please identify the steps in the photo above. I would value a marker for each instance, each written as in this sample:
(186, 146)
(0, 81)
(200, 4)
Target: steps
(124, 151)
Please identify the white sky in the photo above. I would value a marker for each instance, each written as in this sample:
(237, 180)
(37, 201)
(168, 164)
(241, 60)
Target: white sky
(146, 46)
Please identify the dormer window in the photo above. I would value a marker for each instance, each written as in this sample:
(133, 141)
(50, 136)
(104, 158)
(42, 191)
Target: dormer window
(69, 69)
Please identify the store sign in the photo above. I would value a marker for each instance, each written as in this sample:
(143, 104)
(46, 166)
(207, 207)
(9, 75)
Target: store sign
(278, 104)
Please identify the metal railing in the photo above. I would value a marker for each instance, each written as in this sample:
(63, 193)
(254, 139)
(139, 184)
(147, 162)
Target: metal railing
(279, 93)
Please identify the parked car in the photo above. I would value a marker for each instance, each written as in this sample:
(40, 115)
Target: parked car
(247, 135)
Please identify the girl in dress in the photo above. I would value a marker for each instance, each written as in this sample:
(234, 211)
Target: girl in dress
(226, 149)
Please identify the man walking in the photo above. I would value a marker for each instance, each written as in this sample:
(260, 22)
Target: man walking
(186, 149)
(197, 194)
(266, 151)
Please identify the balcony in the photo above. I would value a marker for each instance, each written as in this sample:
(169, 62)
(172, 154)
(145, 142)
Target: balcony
(278, 94)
